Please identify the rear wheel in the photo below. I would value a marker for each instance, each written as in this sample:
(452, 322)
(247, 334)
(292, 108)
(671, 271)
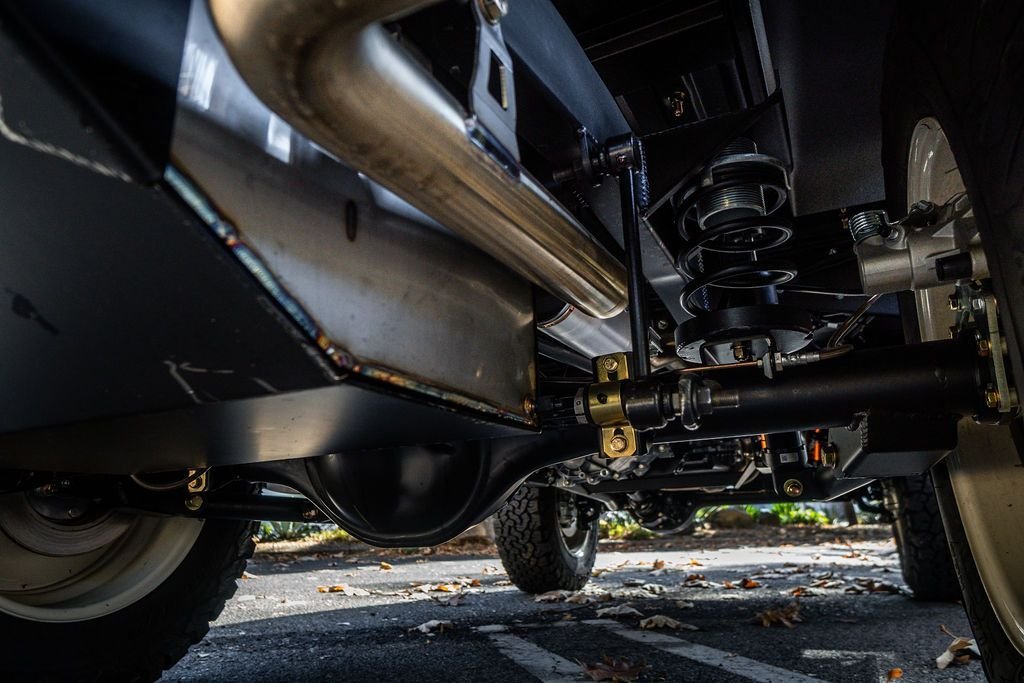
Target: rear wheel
(953, 122)
(547, 539)
(921, 539)
(108, 596)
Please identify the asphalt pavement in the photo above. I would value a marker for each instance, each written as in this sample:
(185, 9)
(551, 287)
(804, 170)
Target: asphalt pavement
(315, 614)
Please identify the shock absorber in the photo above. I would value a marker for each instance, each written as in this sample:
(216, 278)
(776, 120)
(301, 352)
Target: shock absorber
(729, 223)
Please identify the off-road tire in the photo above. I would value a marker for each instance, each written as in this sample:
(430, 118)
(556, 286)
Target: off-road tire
(142, 640)
(921, 539)
(533, 548)
(962, 62)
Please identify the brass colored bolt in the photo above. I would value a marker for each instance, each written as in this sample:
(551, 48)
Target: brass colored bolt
(992, 398)
(194, 502)
(610, 364)
(954, 302)
(829, 455)
(528, 405)
(619, 443)
(493, 10)
(984, 348)
(793, 488)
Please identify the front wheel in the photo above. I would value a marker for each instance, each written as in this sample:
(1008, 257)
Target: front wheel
(953, 124)
(547, 539)
(103, 596)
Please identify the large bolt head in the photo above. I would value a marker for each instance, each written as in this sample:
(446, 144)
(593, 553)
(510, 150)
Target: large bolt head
(618, 443)
(793, 488)
(610, 364)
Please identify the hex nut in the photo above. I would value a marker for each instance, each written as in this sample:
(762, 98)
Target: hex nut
(618, 443)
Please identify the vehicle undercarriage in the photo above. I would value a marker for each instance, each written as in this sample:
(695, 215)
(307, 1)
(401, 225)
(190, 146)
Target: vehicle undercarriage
(405, 259)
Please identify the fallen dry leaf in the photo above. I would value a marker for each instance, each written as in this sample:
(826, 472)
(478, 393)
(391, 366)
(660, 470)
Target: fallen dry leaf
(662, 621)
(452, 600)
(694, 563)
(728, 585)
(552, 596)
(490, 569)
(659, 621)
(868, 585)
(749, 583)
(961, 650)
(613, 670)
(683, 604)
(580, 598)
(788, 616)
(385, 566)
(446, 587)
(343, 589)
(624, 610)
(695, 577)
(894, 674)
(434, 625)
(658, 564)
(246, 576)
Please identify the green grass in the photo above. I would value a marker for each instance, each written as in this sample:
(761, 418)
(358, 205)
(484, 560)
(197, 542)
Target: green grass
(793, 513)
(298, 531)
(620, 526)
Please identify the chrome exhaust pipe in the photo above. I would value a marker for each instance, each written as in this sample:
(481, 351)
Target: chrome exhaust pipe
(331, 70)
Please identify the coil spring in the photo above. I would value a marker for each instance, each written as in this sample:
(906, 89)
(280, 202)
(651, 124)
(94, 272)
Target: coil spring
(726, 224)
(867, 224)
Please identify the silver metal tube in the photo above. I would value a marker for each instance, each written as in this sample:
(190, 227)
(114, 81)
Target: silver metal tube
(332, 71)
(589, 336)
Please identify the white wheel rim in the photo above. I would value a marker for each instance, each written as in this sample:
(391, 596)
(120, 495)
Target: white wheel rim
(985, 470)
(64, 588)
